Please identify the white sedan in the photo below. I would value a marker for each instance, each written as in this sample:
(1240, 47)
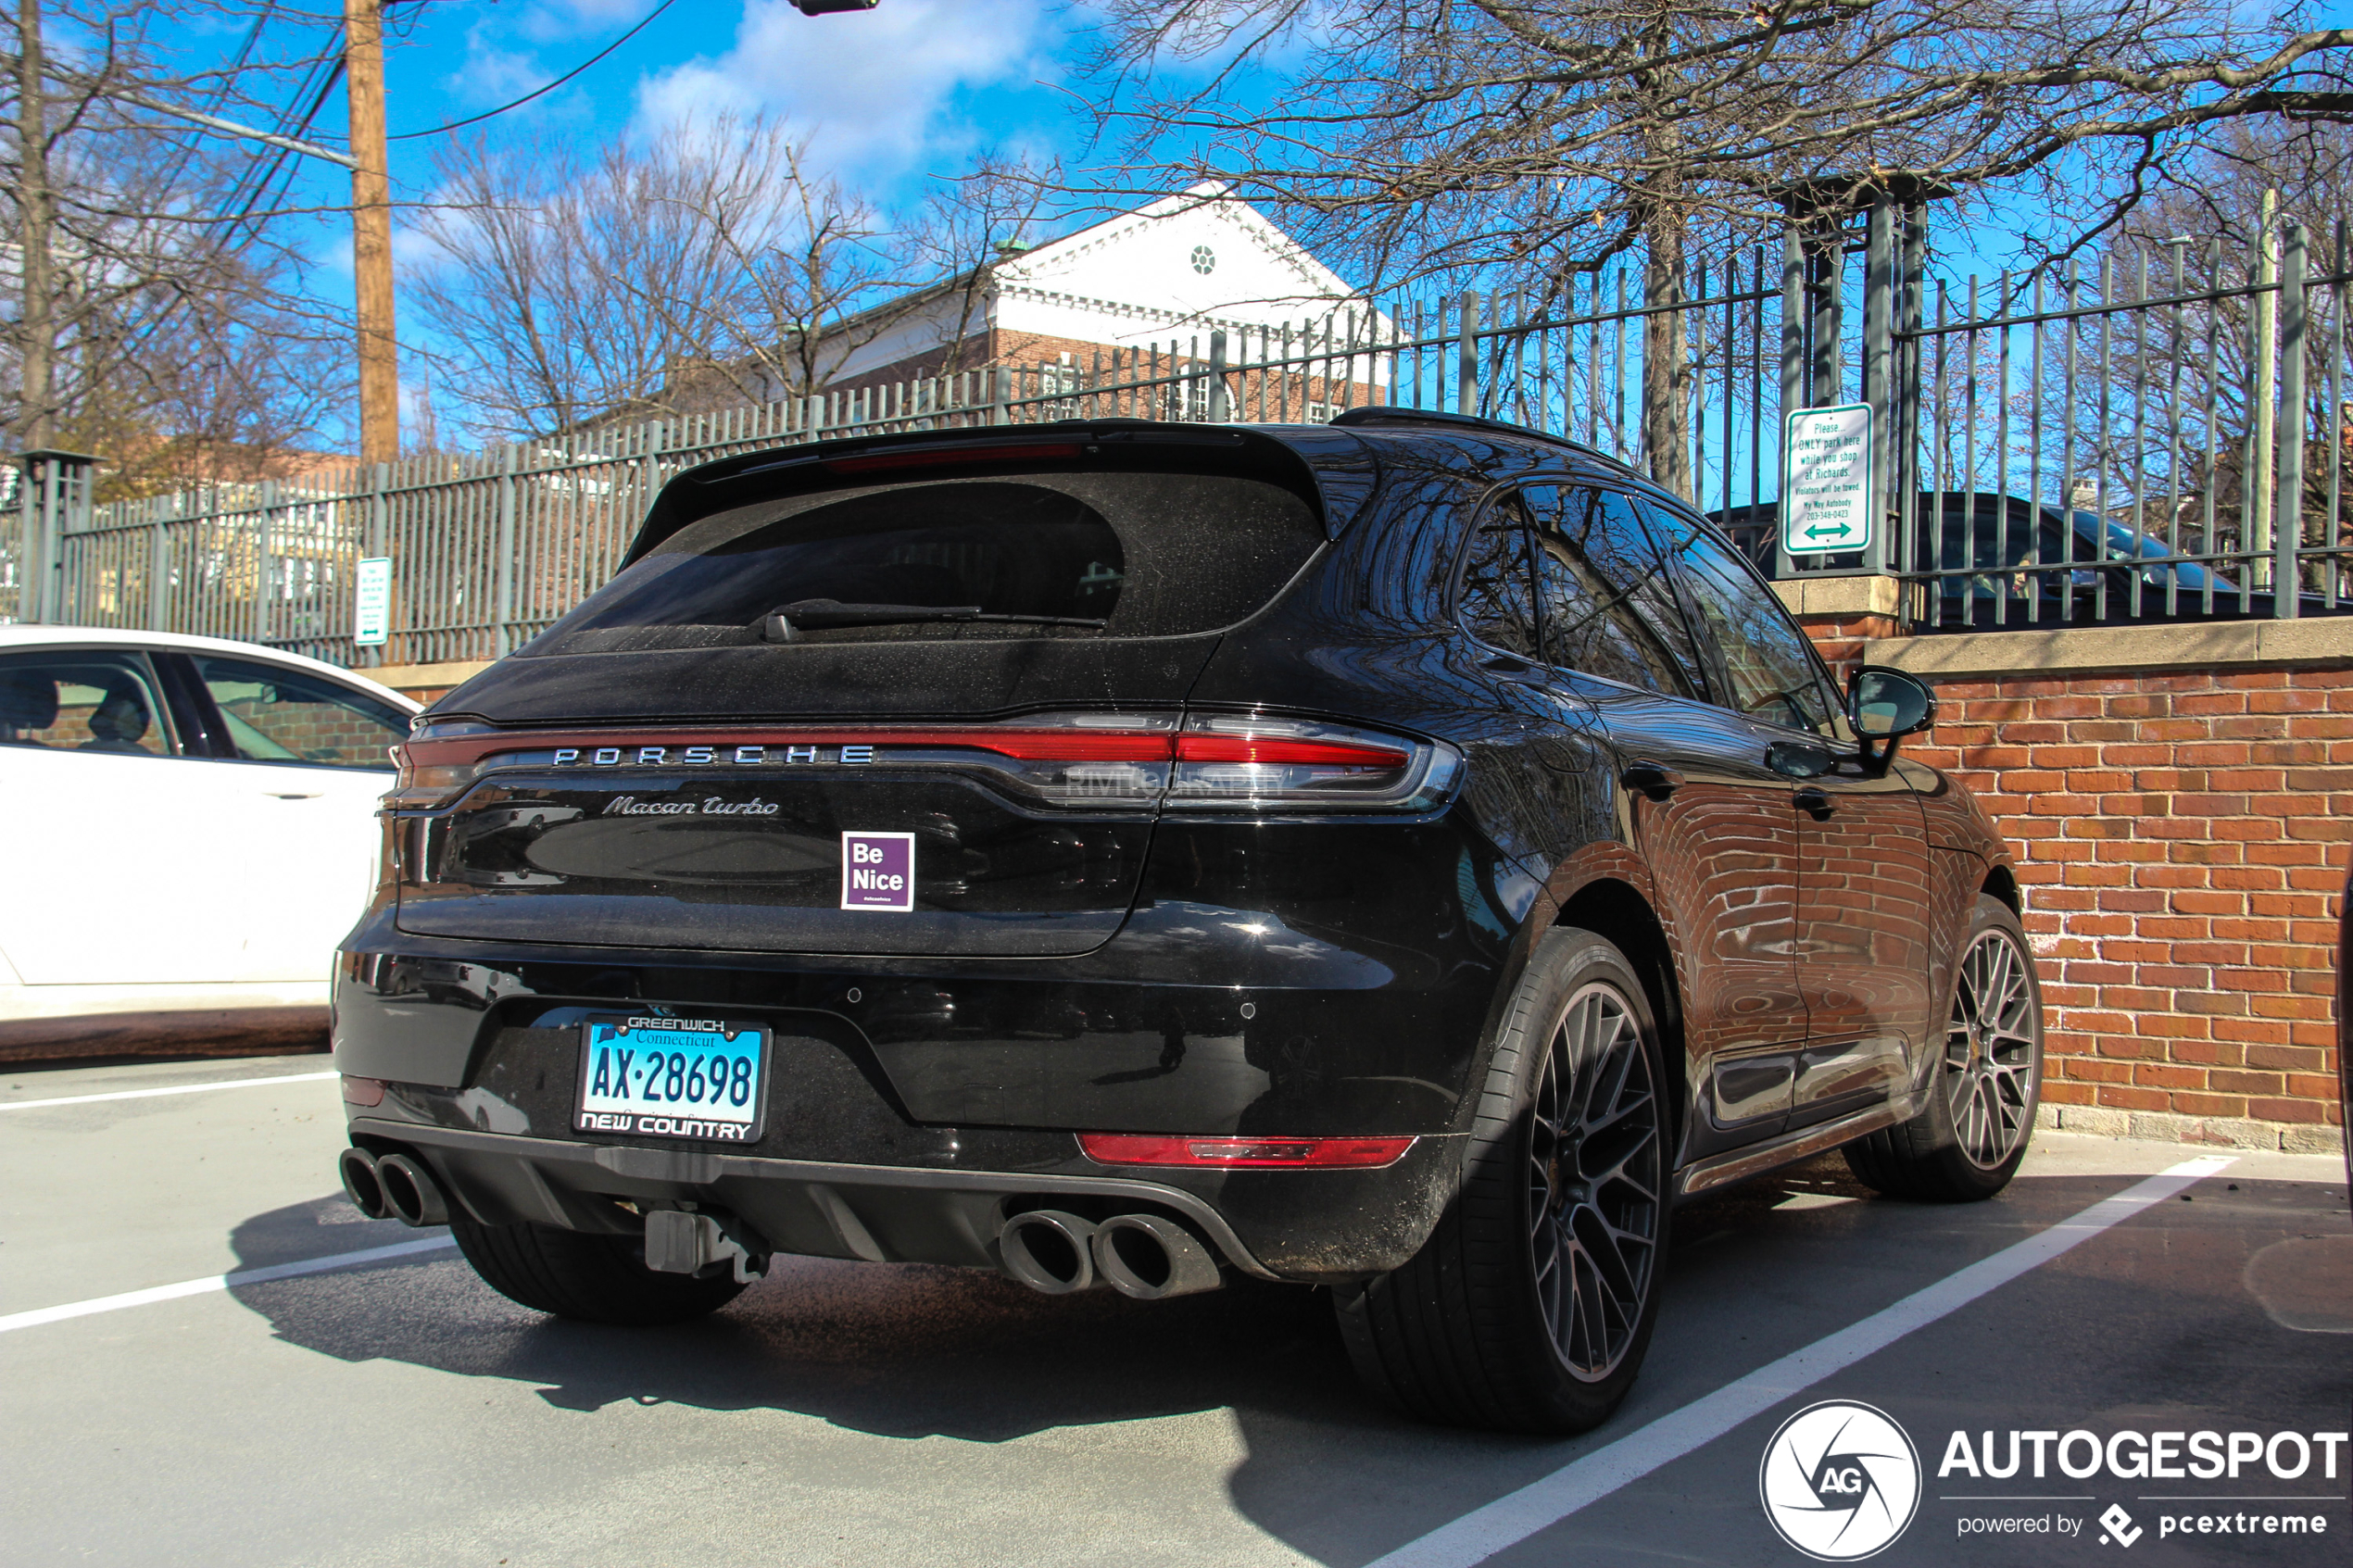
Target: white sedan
(191, 830)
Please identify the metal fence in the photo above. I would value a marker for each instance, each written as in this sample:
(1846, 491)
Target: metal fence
(2155, 434)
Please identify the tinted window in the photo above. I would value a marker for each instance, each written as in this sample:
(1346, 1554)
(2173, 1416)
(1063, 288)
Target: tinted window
(1109, 554)
(1593, 622)
(1771, 664)
(1498, 600)
(276, 715)
(82, 701)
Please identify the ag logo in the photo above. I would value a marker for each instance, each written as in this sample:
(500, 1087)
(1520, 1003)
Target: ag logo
(1840, 1481)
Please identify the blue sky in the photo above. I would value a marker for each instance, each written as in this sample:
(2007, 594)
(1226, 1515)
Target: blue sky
(888, 95)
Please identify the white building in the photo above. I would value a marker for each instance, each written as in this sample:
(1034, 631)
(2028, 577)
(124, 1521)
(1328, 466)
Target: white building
(1118, 296)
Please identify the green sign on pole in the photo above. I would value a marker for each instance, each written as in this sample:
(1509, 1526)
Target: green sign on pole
(372, 603)
(1826, 495)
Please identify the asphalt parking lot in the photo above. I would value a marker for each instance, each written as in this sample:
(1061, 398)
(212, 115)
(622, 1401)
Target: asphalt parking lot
(399, 1412)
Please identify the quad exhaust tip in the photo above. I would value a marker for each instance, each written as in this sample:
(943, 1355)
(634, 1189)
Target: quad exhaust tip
(392, 1186)
(1152, 1258)
(358, 1168)
(1049, 1251)
(1146, 1257)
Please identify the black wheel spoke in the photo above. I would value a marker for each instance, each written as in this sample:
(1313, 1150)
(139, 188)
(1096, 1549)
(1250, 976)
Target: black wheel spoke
(1992, 1050)
(1596, 1174)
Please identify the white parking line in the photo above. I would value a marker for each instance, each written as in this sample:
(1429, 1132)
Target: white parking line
(40, 1315)
(1510, 1518)
(174, 1089)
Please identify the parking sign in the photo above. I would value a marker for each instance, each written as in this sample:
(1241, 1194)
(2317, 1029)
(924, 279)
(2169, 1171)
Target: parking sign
(1826, 501)
(372, 602)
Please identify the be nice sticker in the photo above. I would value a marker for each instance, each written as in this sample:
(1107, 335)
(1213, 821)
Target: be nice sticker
(878, 871)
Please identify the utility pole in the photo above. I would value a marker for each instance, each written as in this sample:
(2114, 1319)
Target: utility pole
(370, 233)
(38, 204)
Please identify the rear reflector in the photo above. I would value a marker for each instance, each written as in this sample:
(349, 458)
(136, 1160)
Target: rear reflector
(362, 1091)
(1162, 1148)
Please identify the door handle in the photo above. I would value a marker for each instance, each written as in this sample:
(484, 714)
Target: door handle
(1814, 802)
(1504, 666)
(293, 794)
(1655, 779)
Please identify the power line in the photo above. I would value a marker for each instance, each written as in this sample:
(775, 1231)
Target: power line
(488, 114)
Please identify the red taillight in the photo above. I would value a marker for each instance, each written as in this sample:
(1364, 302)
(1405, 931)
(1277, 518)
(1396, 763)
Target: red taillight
(1029, 746)
(1293, 1154)
(1263, 750)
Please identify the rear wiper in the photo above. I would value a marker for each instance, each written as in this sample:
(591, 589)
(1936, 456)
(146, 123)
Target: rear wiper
(783, 624)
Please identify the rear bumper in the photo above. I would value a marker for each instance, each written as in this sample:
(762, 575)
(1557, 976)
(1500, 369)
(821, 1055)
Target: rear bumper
(1306, 1227)
(1287, 984)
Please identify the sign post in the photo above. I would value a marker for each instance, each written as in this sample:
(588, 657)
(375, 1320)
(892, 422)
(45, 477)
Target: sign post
(372, 603)
(1826, 496)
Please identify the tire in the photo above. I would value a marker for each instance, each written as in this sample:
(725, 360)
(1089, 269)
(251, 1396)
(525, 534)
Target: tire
(586, 1278)
(1968, 1142)
(1531, 1304)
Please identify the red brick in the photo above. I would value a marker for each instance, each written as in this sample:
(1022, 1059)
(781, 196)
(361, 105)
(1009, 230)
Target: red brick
(2209, 1105)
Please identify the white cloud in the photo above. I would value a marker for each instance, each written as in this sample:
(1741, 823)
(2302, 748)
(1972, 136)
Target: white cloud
(875, 88)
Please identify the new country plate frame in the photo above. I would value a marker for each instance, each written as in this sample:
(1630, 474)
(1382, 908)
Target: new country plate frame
(651, 1076)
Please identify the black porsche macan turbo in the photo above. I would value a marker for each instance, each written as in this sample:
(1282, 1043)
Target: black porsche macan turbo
(1405, 855)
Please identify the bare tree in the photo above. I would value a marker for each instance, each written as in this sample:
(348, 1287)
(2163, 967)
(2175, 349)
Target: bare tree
(710, 270)
(159, 317)
(1529, 141)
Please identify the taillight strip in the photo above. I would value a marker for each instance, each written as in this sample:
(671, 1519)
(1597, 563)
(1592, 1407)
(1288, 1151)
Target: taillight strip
(1252, 748)
(1027, 746)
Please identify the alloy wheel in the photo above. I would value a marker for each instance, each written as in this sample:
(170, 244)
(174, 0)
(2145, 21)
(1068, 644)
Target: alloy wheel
(1992, 1051)
(1595, 1165)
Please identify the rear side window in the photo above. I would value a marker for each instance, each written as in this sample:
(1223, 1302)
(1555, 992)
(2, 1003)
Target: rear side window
(1116, 553)
(1593, 580)
(81, 700)
(1498, 601)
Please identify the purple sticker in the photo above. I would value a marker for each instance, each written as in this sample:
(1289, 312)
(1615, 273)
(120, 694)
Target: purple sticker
(878, 870)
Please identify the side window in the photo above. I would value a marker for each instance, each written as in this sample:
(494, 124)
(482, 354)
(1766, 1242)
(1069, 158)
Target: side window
(1497, 601)
(81, 700)
(276, 715)
(1771, 665)
(1586, 556)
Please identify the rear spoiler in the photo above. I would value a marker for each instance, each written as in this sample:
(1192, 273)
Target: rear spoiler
(1339, 471)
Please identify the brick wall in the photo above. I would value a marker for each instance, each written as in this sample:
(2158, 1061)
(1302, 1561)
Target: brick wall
(2182, 842)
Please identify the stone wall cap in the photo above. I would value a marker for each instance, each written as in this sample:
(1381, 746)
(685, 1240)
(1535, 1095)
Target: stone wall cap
(1839, 595)
(2082, 649)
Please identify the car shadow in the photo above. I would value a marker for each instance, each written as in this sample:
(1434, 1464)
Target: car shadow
(913, 1351)
(902, 1350)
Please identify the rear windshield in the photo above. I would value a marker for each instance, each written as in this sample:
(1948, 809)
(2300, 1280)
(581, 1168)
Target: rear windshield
(1022, 555)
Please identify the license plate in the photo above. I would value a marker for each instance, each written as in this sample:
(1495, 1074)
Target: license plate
(673, 1078)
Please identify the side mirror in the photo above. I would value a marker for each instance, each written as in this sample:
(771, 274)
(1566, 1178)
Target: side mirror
(1888, 704)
